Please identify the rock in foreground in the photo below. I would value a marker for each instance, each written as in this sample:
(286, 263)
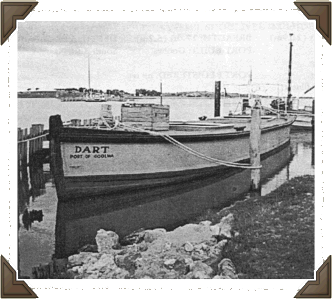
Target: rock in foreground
(191, 251)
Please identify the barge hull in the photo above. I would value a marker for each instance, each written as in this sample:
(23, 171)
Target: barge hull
(93, 162)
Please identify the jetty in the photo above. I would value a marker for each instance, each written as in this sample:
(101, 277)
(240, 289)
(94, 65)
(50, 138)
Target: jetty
(30, 143)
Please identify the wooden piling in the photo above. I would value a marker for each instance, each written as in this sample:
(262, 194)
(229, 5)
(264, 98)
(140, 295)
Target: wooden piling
(313, 134)
(255, 158)
(35, 144)
(39, 141)
(22, 147)
(28, 144)
(313, 123)
(19, 147)
(24, 157)
(33, 141)
(217, 99)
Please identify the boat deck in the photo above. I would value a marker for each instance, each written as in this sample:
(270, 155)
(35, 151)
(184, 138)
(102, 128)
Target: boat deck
(217, 126)
(184, 130)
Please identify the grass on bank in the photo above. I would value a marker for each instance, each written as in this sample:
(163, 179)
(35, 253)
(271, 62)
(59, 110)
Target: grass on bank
(276, 232)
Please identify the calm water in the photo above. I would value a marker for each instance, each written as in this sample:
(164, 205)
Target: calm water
(38, 111)
(50, 229)
(65, 227)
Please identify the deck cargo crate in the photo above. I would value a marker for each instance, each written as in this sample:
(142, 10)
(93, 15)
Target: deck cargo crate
(146, 116)
(106, 114)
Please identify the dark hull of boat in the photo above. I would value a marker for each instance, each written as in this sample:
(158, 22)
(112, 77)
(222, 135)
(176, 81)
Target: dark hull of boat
(298, 128)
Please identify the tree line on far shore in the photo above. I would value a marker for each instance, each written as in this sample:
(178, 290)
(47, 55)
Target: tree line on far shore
(145, 92)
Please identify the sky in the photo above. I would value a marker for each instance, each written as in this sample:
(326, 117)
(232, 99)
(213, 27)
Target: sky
(184, 56)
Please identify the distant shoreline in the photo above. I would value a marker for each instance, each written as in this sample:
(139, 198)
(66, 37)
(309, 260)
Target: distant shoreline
(51, 94)
(48, 96)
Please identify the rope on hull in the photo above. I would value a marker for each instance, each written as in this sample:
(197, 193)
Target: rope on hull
(191, 151)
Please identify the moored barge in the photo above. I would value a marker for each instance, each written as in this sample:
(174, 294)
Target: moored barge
(88, 161)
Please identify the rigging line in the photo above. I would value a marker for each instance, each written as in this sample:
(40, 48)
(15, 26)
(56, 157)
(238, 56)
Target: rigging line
(195, 153)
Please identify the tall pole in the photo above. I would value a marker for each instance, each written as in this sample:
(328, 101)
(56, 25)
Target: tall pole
(313, 133)
(289, 72)
(254, 148)
(89, 71)
(161, 93)
(250, 81)
(217, 99)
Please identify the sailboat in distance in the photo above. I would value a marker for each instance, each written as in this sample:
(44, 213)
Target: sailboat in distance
(93, 96)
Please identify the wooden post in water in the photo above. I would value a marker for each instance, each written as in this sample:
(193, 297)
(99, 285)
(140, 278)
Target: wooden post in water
(32, 143)
(20, 147)
(255, 156)
(25, 148)
(217, 99)
(35, 144)
(161, 93)
(289, 95)
(313, 134)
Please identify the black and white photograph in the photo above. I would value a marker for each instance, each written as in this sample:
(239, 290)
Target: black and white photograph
(166, 150)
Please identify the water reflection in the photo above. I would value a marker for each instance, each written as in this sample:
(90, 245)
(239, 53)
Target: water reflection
(31, 182)
(301, 164)
(23, 191)
(30, 216)
(51, 229)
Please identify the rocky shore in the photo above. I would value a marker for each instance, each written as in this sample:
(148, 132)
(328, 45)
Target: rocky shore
(269, 236)
(190, 251)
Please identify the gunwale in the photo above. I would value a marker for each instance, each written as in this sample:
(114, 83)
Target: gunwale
(81, 134)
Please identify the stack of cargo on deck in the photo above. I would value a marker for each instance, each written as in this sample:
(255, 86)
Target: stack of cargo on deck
(106, 114)
(146, 116)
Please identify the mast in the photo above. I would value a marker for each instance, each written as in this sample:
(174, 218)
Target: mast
(89, 70)
(289, 96)
(217, 99)
(250, 81)
(309, 89)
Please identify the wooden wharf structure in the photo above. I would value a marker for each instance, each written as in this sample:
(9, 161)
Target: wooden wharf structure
(30, 142)
(30, 156)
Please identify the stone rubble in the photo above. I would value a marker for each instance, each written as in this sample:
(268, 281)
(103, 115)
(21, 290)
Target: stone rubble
(192, 251)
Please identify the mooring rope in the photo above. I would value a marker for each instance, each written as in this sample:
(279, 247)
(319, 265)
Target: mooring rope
(293, 114)
(191, 151)
(271, 109)
(172, 141)
(33, 138)
(117, 123)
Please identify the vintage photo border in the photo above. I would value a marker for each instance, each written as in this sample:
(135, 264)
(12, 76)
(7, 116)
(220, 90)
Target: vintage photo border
(9, 96)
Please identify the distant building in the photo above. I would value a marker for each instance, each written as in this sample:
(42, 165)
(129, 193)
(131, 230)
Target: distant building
(37, 94)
